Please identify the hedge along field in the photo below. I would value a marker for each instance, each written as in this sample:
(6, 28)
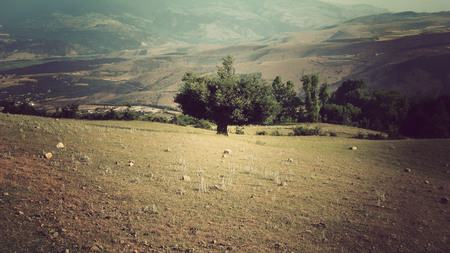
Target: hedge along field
(141, 187)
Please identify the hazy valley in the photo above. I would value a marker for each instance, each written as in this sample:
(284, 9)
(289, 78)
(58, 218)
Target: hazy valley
(407, 52)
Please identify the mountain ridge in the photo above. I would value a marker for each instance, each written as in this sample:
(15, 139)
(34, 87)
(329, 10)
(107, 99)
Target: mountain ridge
(405, 56)
(105, 26)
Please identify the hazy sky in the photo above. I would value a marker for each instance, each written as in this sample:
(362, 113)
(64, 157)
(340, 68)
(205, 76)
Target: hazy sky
(403, 5)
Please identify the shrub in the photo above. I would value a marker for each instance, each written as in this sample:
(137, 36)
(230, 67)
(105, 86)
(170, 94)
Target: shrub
(276, 133)
(359, 135)
(333, 134)
(240, 130)
(156, 118)
(183, 120)
(203, 124)
(376, 136)
(261, 133)
(305, 131)
(130, 115)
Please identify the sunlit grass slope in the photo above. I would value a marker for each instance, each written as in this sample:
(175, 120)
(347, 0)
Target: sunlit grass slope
(143, 187)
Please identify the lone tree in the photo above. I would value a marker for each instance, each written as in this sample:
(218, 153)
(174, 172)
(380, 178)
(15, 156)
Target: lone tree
(227, 98)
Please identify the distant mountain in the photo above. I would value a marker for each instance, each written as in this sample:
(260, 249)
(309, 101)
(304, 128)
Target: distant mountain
(405, 52)
(69, 28)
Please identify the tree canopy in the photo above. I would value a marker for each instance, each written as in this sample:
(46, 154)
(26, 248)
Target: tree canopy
(227, 98)
(288, 100)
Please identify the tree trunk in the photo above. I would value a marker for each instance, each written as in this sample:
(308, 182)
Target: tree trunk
(222, 128)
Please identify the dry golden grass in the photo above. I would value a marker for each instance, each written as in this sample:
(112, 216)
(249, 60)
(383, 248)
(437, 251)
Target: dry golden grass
(272, 193)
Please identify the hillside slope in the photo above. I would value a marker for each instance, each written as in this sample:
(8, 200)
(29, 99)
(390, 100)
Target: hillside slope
(148, 187)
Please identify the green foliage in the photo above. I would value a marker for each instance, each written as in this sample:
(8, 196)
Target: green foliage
(227, 98)
(239, 130)
(112, 115)
(68, 111)
(428, 118)
(20, 108)
(186, 120)
(130, 115)
(353, 104)
(311, 91)
(338, 114)
(353, 92)
(324, 93)
(156, 118)
(183, 120)
(306, 131)
(385, 111)
(288, 100)
(360, 135)
(333, 134)
(203, 124)
(276, 133)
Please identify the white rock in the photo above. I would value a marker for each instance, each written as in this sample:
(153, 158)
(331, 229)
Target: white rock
(60, 145)
(227, 151)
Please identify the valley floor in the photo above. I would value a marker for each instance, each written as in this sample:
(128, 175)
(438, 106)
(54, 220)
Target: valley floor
(149, 187)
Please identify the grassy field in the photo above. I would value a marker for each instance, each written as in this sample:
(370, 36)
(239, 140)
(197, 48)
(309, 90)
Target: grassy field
(149, 187)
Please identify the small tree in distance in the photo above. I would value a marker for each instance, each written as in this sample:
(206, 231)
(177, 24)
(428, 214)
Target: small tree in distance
(227, 98)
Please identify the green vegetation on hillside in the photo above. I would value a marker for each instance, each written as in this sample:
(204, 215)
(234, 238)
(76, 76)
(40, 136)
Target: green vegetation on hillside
(226, 99)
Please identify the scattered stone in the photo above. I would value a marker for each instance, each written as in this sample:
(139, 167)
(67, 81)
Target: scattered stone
(20, 213)
(60, 145)
(67, 251)
(168, 150)
(282, 184)
(48, 156)
(290, 160)
(224, 156)
(95, 248)
(130, 164)
(37, 127)
(427, 182)
(227, 151)
(408, 170)
(279, 245)
(353, 148)
(444, 200)
(5, 194)
(186, 178)
(21, 130)
(216, 187)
